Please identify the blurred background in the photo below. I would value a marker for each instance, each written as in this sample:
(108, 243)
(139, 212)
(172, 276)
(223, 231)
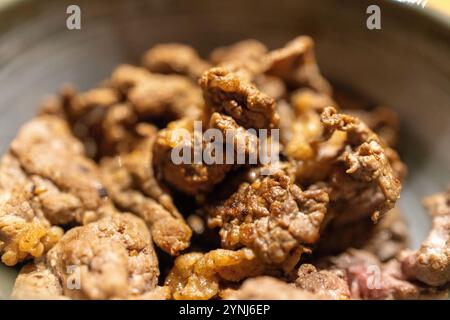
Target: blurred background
(440, 5)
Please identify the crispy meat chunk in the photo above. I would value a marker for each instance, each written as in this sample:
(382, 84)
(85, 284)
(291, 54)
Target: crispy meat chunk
(114, 258)
(138, 161)
(168, 97)
(86, 111)
(368, 278)
(268, 288)
(37, 282)
(97, 117)
(118, 130)
(45, 180)
(158, 96)
(48, 153)
(175, 58)
(226, 92)
(364, 177)
(126, 76)
(193, 177)
(296, 65)
(327, 283)
(431, 262)
(198, 275)
(270, 215)
(246, 58)
(133, 187)
(383, 121)
(25, 232)
(189, 176)
(95, 99)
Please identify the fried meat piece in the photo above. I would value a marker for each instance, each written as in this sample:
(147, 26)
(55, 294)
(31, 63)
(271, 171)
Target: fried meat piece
(37, 282)
(198, 275)
(168, 97)
(268, 288)
(118, 130)
(345, 157)
(49, 153)
(226, 92)
(126, 77)
(431, 262)
(46, 180)
(190, 176)
(25, 232)
(364, 178)
(383, 121)
(112, 258)
(175, 58)
(138, 161)
(133, 187)
(270, 215)
(296, 65)
(247, 59)
(85, 112)
(156, 96)
(368, 278)
(330, 284)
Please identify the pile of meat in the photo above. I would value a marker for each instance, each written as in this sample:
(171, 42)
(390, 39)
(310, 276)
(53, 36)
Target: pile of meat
(93, 207)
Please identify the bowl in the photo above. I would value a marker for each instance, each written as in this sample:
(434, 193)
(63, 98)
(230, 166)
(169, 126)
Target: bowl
(404, 65)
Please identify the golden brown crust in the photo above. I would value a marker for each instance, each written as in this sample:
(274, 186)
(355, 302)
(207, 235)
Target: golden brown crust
(226, 92)
(271, 215)
(198, 276)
